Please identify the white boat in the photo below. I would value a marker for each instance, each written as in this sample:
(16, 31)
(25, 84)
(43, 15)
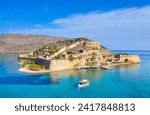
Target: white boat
(83, 83)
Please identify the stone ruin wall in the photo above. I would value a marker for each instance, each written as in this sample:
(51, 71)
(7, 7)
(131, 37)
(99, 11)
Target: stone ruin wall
(59, 65)
(134, 58)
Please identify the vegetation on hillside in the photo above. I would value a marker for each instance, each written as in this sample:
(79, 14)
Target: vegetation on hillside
(71, 58)
(92, 63)
(31, 65)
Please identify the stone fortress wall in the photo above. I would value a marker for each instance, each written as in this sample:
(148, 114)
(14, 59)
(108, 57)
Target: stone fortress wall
(55, 65)
(133, 58)
(59, 65)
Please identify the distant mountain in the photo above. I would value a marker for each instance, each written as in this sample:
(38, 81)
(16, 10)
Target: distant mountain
(25, 42)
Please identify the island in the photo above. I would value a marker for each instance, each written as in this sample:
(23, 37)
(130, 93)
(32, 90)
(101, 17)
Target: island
(77, 53)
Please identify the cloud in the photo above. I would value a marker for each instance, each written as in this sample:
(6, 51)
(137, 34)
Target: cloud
(118, 29)
(39, 26)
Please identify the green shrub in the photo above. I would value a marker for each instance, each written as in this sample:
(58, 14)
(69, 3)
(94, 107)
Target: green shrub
(93, 57)
(26, 62)
(59, 56)
(53, 49)
(76, 65)
(104, 63)
(35, 67)
(71, 58)
(31, 65)
(93, 63)
(24, 65)
(95, 48)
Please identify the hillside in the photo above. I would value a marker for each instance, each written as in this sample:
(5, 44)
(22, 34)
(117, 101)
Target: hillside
(65, 48)
(25, 42)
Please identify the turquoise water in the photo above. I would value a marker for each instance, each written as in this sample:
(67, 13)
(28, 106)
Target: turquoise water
(128, 81)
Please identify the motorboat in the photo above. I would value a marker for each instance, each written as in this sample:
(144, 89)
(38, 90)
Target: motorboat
(83, 83)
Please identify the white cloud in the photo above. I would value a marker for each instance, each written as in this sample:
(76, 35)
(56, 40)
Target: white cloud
(123, 28)
(39, 26)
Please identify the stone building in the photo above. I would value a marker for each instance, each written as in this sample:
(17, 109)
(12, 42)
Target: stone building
(92, 44)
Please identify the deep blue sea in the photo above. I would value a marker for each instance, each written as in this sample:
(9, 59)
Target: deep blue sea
(121, 82)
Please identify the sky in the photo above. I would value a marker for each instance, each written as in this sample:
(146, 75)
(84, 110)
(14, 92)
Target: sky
(116, 24)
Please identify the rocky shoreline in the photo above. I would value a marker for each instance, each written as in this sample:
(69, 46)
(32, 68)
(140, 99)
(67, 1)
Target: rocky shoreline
(32, 72)
(25, 70)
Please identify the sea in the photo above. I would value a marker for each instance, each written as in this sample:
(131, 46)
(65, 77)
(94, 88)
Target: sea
(132, 81)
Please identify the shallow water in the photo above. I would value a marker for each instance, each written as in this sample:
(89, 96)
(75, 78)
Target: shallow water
(128, 81)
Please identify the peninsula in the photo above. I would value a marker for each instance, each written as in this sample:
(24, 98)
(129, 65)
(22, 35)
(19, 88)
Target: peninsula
(72, 54)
